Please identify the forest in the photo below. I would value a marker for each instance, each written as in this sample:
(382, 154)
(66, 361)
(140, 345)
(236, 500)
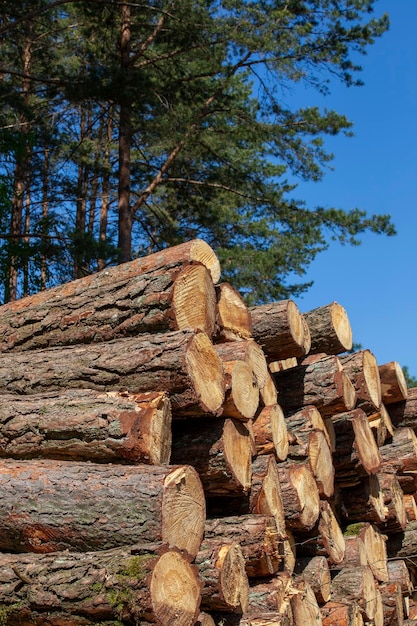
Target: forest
(127, 127)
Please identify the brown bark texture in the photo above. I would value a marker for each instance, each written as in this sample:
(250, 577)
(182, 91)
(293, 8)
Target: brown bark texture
(270, 434)
(330, 329)
(400, 454)
(362, 368)
(265, 496)
(341, 614)
(316, 572)
(160, 292)
(404, 413)
(87, 425)
(131, 583)
(279, 329)
(184, 364)
(364, 501)
(300, 495)
(325, 538)
(46, 506)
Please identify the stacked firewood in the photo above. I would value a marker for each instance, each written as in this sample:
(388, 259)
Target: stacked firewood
(169, 456)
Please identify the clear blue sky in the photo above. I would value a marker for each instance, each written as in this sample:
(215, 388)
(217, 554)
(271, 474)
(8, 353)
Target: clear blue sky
(376, 171)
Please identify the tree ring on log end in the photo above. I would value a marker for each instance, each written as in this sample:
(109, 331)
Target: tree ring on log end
(238, 451)
(372, 378)
(183, 510)
(194, 299)
(205, 369)
(233, 578)
(201, 251)
(175, 591)
(244, 389)
(341, 326)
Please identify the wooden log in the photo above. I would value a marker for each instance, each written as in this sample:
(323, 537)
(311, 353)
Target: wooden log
(272, 594)
(363, 371)
(182, 363)
(268, 393)
(356, 453)
(242, 392)
(248, 351)
(168, 290)
(403, 545)
(87, 425)
(305, 608)
(395, 518)
(233, 318)
(410, 507)
(399, 571)
(313, 447)
(371, 549)
(341, 614)
(265, 495)
(279, 329)
(400, 455)
(220, 450)
(364, 502)
(257, 536)
(270, 432)
(222, 569)
(306, 419)
(204, 619)
(47, 506)
(393, 383)
(300, 495)
(392, 601)
(357, 584)
(125, 583)
(264, 618)
(323, 384)
(316, 572)
(355, 553)
(283, 364)
(381, 425)
(404, 413)
(330, 329)
(325, 538)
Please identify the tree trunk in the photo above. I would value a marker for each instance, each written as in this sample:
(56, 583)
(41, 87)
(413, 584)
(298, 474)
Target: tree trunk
(393, 383)
(121, 301)
(280, 330)
(307, 419)
(270, 434)
(265, 495)
(315, 571)
(182, 363)
(222, 569)
(47, 506)
(268, 393)
(257, 536)
(233, 317)
(323, 384)
(300, 495)
(392, 601)
(395, 514)
(403, 414)
(381, 425)
(357, 584)
(372, 550)
(248, 351)
(330, 329)
(87, 425)
(364, 501)
(304, 605)
(325, 538)
(242, 392)
(341, 614)
(272, 594)
(363, 371)
(220, 450)
(129, 584)
(313, 447)
(400, 455)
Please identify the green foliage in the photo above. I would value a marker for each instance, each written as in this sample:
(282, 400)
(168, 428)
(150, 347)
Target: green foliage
(409, 379)
(199, 111)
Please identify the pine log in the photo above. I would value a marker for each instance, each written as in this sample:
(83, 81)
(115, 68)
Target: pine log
(182, 363)
(257, 536)
(168, 290)
(341, 614)
(242, 392)
(400, 455)
(399, 571)
(125, 583)
(87, 425)
(305, 608)
(264, 618)
(364, 502)
(392, 601)
(306, 419)
(396, 517)
(204, 619)
(233, 318)
(222, 569)
(290, 552)
(356, 453)
(270, 432)
(363, 371)
(357, 584)
(381, 425)
(248, 351)
(355, 553)
(404, 413)
(47, 506)
(410, 507)
(330, 329)
(300, 495)
(219, 449)
(279, 329)
(403, 545)
(393, 383)
(371, 549)
(283, 364)
(268, 393)
(316, 572)
(313, 447)
(272, 594)
(325, 538)
(323, 384)
(265, 495)
(408, 481)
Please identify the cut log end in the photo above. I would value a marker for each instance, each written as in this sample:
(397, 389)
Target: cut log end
(233, 317)
(242, 400)
(175, 591)
(194, 299)
(238, 452)
(393, 383)
(183, 510)
(200, 251)
(206, 371)
(234, 581)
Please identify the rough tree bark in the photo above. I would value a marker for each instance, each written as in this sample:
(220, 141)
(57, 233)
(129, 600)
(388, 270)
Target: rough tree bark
(330, 329)
(280, 330)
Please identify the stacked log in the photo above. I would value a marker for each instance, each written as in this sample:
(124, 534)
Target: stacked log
(169, 456)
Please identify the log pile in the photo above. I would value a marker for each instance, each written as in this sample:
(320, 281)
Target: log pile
(169, 456)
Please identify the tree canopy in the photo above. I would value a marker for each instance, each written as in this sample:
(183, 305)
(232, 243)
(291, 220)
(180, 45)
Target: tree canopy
(128, 126)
